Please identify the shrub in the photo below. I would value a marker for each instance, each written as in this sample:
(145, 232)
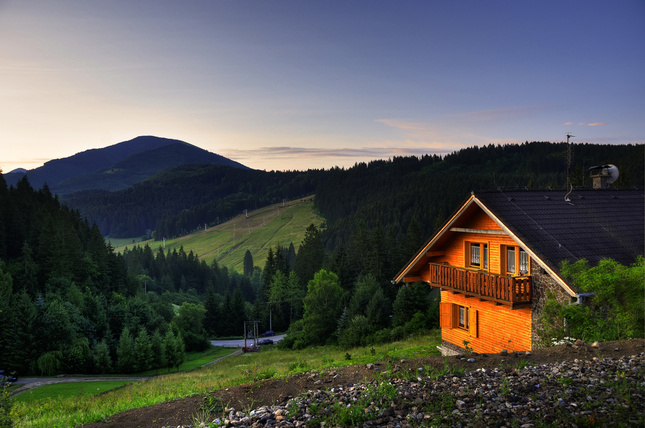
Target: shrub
(356, 333)
(6, 404)
(410, 299)
(294, 338)
(49, 363)
(616, 310)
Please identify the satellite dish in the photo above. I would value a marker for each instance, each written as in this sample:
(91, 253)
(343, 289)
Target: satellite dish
(612, 171)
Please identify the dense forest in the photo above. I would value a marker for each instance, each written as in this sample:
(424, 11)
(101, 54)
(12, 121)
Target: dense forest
(69, 303)
(430, 188)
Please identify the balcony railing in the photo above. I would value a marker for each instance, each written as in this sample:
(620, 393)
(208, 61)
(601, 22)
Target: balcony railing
(516, 291)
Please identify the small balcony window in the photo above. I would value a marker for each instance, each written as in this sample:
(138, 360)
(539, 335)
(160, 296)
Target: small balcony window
(475, 256)
(517, 261)
(524, 262)
(510, 259)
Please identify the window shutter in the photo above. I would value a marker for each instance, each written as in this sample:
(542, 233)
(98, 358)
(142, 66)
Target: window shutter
(466, 253)
(445, 315)
(474, 323)
(455, 316)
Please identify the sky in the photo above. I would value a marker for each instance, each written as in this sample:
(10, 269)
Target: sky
(298, 84)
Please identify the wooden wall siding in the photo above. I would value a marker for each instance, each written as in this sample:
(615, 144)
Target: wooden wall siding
(499, 327)
(455, 250)
(481, 220)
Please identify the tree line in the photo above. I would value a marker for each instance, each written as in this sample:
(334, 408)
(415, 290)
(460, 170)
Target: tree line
(392, 191)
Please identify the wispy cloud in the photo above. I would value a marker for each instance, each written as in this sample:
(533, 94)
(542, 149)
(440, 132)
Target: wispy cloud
(287, 152)
(585, 123)
(27, 163)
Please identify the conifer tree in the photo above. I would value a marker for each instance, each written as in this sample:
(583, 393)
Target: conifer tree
(311, 255)
(102, 359)
(171, 350)
(143, 351)
(212, 319)
(158, 351)
(126, 360)
(248, 263)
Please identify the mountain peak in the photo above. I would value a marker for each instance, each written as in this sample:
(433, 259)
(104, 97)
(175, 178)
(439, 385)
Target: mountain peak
(117, 166)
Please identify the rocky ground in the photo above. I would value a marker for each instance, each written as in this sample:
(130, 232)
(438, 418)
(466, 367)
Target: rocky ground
(577, 385)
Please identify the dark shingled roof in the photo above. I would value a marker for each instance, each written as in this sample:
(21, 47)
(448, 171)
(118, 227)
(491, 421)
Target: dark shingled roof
(593, 224)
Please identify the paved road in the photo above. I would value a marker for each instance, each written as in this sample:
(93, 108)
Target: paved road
(238, 343)
(26, 383)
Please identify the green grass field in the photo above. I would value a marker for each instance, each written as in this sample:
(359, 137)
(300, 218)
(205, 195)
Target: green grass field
(260, 230)
(238, 369)
(72, 390)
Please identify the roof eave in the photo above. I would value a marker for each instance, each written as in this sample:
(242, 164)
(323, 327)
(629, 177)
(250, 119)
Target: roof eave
(446, 227)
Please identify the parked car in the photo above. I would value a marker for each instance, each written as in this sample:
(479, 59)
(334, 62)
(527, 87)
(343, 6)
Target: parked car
(267, 333)
(265, 342)
(6, 378)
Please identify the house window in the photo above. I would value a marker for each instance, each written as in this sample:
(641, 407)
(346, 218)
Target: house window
(475, 256)
(524, 262)
(517, 261)
(463, 317)
(510, 259)
(478, 255)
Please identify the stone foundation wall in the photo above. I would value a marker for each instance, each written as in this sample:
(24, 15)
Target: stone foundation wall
(542, 284)
(448, 349)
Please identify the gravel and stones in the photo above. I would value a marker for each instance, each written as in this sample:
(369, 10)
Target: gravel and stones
(583, 392)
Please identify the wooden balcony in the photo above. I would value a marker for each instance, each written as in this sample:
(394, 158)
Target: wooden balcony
(516, 291)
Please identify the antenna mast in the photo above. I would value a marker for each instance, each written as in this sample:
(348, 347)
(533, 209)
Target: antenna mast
(569, 156)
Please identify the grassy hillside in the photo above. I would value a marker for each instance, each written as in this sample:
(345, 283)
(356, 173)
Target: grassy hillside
(240, 369)
(260, 230)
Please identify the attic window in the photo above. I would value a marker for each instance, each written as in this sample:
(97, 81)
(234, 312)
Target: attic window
(478, 255)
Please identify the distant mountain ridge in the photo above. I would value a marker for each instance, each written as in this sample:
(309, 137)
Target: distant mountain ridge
(117, 166)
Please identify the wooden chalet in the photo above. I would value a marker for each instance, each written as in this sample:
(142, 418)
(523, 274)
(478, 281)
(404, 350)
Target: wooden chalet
(498, 255)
